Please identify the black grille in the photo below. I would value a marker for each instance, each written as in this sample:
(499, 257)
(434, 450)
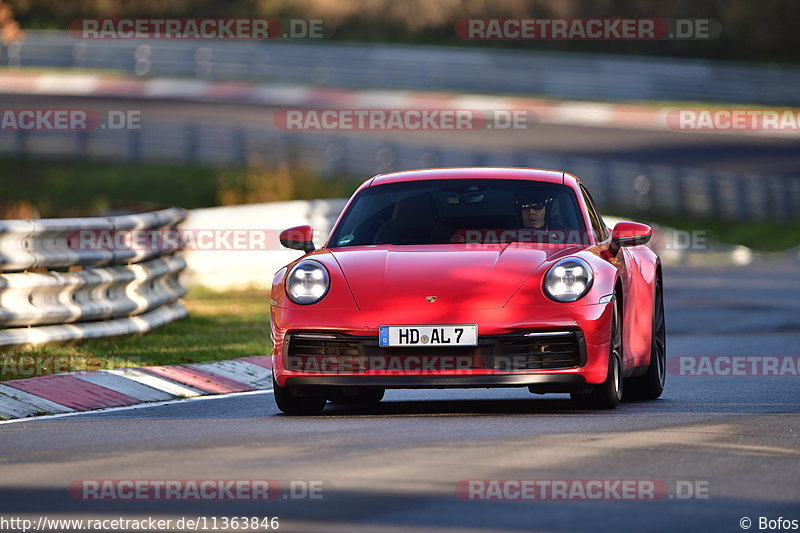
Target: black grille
(532, 350)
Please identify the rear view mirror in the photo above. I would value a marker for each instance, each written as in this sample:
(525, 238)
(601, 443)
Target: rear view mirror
(298, 238)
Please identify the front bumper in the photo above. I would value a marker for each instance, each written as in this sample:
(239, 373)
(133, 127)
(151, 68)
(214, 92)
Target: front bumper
(537, 382)
(590, 322)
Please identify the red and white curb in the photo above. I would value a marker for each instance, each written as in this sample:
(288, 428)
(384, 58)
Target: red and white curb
(123, 387)
(595, 114)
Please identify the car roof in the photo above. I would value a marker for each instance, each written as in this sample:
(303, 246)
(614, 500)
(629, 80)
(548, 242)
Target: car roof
(508, 173)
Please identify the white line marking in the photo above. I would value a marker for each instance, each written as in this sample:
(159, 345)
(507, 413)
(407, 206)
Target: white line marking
(126, 386)
(157, 382)
(138, 406)
(11, 408)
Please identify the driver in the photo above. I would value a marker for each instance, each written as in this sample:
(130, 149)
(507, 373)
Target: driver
(533, 207)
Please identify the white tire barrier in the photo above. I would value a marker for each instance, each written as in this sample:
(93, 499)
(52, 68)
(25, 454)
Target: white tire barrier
(119, 290)
(45, 243)
(33, 298)
(91, 330)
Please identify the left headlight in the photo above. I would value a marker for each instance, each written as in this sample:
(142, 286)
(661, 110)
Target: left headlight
(568, 280)
(307, 283)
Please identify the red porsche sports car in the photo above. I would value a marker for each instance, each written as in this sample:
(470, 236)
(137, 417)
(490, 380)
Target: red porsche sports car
(469, 277)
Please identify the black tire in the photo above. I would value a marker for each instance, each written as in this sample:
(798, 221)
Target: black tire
(651, 385)
(357, 396)
(608, 394)
(292, 403)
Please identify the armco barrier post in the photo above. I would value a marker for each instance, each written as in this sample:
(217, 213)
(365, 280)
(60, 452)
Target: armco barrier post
(679, 192)
(82, 144)
(712, 190)
(190, 139)
(784, 198)
(134, 146)
(741, 198)
(238, 147)
(20, 144)
(769, 199)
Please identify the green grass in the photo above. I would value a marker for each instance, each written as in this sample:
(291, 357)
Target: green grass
(219, 326)
(767, 236)
(63, 188)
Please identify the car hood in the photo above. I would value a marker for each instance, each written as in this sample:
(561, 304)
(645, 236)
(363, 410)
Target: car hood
(387, 276)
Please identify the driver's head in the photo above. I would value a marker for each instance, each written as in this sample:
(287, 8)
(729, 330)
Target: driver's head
(533, 207)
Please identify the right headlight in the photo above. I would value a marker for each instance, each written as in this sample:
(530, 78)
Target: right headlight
(568, 280)
(307, 283)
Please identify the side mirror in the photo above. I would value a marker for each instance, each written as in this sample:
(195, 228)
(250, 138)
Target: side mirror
(298, 238)
(629, 234)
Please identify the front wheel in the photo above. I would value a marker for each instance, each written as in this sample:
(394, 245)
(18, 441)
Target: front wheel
(651, 385)
(292, 403)
(608, 394)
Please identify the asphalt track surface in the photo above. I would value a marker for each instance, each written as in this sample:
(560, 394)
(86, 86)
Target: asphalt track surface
(394, 467)
(741, 153)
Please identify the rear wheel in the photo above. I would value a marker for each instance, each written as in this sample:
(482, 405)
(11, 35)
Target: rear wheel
(608, 394)
(356, 396)
(651, 385)
(293, 403)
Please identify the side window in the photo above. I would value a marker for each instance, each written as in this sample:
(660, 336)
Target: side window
(598, 225)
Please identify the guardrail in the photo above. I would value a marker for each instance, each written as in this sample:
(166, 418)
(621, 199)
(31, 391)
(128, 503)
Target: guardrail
(465, 69)
(616, 185)
(118, 291)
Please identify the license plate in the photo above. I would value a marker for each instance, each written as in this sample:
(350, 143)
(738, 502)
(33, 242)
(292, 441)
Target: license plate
(449, 335)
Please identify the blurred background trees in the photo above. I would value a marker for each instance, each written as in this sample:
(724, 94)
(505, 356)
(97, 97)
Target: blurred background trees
(761, 31)
(10, 30)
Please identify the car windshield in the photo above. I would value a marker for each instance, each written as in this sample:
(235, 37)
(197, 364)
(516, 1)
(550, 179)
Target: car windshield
(461, 211)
